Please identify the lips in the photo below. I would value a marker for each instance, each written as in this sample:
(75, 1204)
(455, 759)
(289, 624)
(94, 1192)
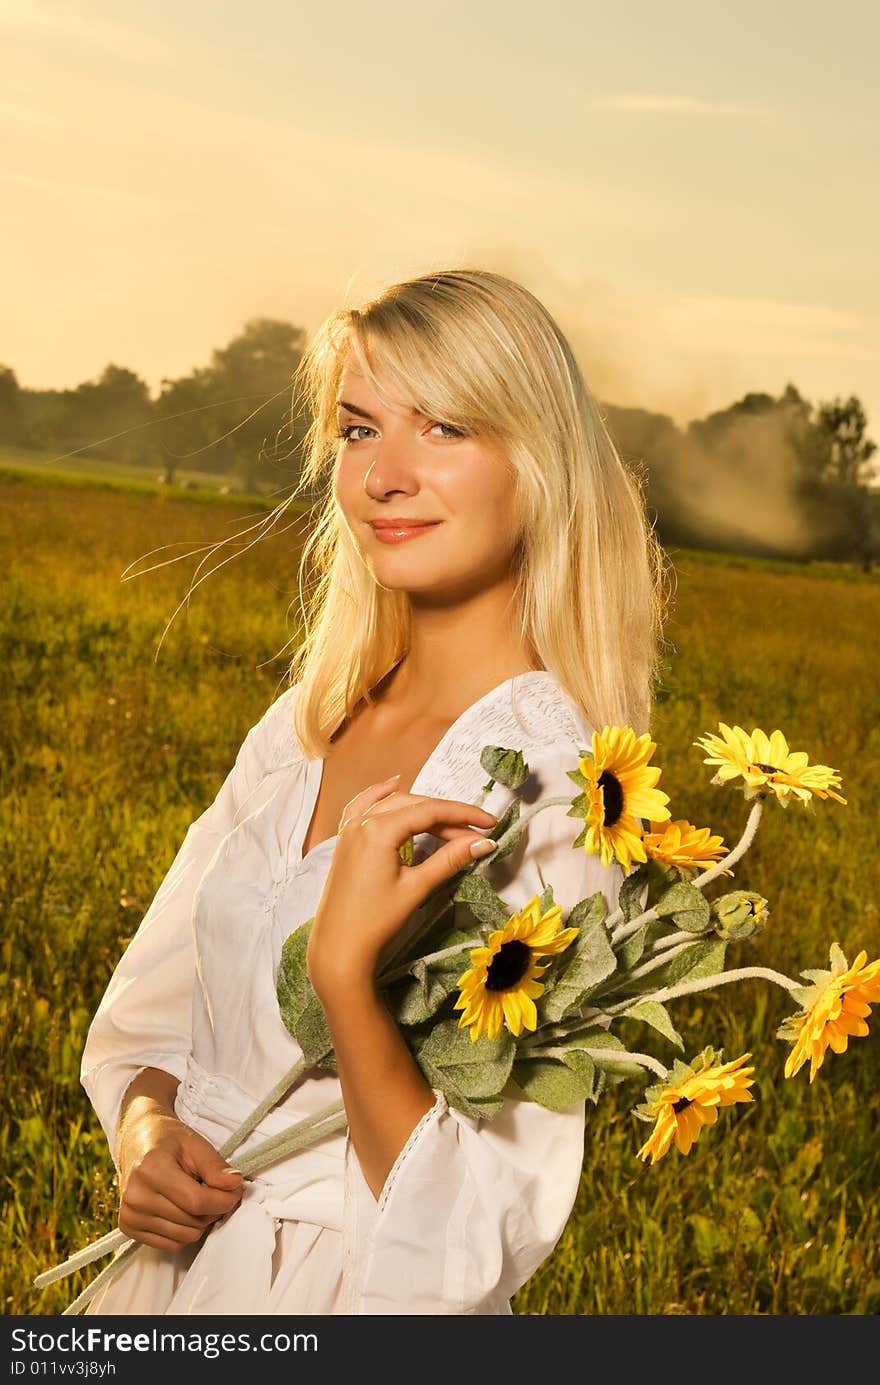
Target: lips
(402, 523)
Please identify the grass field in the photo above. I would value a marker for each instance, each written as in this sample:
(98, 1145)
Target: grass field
(108, 754)
(82, 469)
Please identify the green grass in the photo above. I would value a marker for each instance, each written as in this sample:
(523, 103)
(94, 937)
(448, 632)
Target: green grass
(83, 470)
(109, 753)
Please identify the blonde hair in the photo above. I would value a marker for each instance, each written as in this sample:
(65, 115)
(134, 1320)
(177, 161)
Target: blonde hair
(475, 349)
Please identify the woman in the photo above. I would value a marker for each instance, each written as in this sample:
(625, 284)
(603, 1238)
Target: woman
(524, 610)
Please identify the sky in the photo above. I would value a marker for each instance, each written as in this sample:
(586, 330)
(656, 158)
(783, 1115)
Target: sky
(691, 189)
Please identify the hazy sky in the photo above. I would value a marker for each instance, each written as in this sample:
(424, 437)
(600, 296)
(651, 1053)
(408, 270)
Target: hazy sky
(691, 189)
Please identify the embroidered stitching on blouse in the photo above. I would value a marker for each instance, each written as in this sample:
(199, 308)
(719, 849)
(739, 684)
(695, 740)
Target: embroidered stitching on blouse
(433, 1113)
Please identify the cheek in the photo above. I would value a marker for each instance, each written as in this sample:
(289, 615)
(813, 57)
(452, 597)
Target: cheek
(346, 484)
(483, 495)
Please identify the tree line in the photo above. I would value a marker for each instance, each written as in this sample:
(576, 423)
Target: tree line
(770, 476)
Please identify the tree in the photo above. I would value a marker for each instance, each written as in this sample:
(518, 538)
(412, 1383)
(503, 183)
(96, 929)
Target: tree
(11, 419)
(238, 408)
(849, 451)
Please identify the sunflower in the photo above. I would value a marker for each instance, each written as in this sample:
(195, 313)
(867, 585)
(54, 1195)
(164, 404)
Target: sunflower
(682, 1107)
(766, 765)
(836, 1008)
(618, 791)
(501, 985)
(680, 844)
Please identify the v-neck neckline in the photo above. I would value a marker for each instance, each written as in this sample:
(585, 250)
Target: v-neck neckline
(315, 763)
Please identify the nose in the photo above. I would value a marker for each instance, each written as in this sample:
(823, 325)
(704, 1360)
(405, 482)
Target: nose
(391, 467)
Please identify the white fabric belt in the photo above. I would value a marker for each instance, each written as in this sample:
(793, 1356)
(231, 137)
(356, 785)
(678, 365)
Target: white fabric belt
(232, 1271)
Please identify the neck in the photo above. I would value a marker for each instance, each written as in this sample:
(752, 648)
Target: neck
(458, 652)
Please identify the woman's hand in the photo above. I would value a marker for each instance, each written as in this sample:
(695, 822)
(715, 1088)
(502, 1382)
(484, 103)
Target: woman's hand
(172, 1182)
(369, 892)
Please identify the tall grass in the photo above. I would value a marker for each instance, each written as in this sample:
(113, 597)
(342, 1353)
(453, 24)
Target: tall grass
(108, 754)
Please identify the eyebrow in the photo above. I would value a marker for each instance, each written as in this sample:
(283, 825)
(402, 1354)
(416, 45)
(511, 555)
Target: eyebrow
(362, 413)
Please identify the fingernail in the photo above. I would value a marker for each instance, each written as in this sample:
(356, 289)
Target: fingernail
(232, 1172)
(482, 848)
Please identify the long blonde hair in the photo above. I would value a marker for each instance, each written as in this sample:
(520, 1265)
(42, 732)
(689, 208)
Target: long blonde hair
(477, 350)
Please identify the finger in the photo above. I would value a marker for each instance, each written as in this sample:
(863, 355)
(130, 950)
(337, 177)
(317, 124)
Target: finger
(395, 800)
(206, 1164)
(162, 1234)
(448, 860)
(423, 815)
(371, 794)
(198, 1199)
(145, 1204)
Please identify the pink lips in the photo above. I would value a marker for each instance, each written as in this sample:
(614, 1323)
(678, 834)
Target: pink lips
(391, 531)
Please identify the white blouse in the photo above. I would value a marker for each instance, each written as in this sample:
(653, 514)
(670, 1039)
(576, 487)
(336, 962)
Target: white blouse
(471, 1206)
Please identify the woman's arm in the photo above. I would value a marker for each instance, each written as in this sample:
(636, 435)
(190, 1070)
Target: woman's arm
(384, 1092)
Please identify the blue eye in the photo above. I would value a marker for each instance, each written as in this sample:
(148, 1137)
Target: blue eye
(350, 428)
(347, 431)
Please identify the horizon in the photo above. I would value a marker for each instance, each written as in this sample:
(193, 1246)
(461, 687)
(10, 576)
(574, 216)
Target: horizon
(696, 218)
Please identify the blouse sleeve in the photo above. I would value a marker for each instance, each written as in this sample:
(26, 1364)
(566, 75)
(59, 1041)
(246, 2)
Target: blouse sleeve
(472, 1207)
(144, 1019)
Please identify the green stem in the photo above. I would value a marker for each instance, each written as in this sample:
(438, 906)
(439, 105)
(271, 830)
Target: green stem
(265, 1106)
(651, 965)
(563, 1030)
(305, 1132)
(298, 1136)
(108, 1272)
(609, 1057)
(724, 978)
(388, 976)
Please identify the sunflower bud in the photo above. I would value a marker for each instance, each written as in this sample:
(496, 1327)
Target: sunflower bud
(739, 915)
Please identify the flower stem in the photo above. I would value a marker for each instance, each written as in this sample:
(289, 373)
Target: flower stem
(305, 1132)
(388, 976)
(108, 1272)
(651, 965)
(265, 1106)
(722, 978)
(607, 1056)
(114, 1240)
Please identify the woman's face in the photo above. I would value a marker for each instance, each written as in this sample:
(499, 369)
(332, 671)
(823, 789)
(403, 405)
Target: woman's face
(393, 464)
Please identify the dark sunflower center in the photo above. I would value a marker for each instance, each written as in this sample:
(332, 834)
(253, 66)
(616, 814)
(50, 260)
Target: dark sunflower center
(613, 794)
(509, 965)
(682, 1104)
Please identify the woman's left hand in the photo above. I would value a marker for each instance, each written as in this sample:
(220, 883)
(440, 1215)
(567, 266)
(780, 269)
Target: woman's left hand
(370, 892)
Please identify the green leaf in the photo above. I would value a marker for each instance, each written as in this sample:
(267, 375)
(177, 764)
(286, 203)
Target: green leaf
(630, 951)
(451, 1061)
(554, 1083)
(479, 896)
(589, 960)
(406, 852)
(414, 999)
(300, 1007)
(629, 895)
(657, 1016)
(687, 906)
(506, 767)
(704, 957)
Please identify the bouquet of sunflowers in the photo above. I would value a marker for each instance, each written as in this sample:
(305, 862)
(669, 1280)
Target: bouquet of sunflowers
(486, 997)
